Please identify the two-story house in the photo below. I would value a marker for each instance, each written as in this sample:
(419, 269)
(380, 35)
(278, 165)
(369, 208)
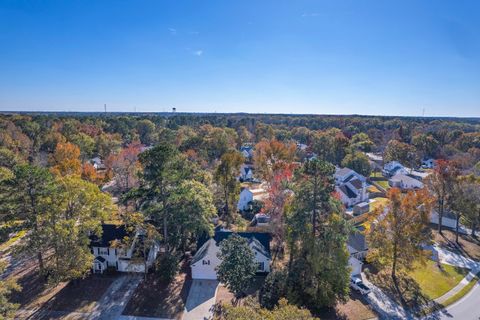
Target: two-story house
(351, 186)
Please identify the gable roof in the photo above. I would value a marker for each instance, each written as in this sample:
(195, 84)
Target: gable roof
(110, 232)
(202, 252)
(262, 237)
(100, 258)
(405, 179)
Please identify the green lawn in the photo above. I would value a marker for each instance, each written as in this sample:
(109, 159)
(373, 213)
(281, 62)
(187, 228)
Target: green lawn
(379, 202)
(384, 184)
(376, 174)
(435, 282)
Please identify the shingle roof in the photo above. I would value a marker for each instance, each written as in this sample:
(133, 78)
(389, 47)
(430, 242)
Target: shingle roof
(110, 232)
(263, 237)
(100, 258)
(357, 183)
(357, 241)
(202, 252)
(343, 171)
(347, 191)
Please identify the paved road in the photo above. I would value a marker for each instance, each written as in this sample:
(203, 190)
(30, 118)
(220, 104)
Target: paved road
(201, 300)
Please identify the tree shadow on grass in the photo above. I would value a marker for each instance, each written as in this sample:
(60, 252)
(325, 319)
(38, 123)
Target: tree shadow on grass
(408, 293)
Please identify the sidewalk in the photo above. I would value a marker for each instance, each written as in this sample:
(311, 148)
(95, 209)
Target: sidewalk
(465, 281)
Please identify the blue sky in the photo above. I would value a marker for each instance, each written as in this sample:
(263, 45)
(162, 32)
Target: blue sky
(324, 57)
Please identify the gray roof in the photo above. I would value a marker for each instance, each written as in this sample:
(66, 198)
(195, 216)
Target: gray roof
(357, 241)
(343, 171)
(347, 191)
(100, 258)
(202, 252)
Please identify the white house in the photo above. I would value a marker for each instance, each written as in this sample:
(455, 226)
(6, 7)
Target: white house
(448, 219)
(394, 167)
(120, 259)
(246, 173)
(351, 186)
(205, 261)
(357, 247)
(404, 182)
(98, 164)
(247, 196)
(428, 163)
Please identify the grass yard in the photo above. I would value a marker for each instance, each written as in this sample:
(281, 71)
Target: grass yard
(434, 282)
(384, 184)
(378, 202)
(461, 293)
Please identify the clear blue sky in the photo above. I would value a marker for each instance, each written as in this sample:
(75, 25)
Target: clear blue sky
(337, 57)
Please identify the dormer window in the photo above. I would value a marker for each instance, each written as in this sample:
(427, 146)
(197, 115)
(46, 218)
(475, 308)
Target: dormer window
(207, 262)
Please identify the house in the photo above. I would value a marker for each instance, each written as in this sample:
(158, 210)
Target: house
(301, 146)
(404, 182)
(361, 208)
(394, 167)
(246, 173)
(98, 164)
(351, 186)
(428, 163)
(260, 220)
(108, 255)
(205, 261)
(247, 152)
(449, 219)
(247, 196)
(357, 247)
(375, 160)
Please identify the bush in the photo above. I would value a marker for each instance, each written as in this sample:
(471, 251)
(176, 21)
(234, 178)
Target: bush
(167, 267)
(273, 289)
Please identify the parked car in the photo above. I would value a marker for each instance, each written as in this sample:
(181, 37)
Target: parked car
(357, 284)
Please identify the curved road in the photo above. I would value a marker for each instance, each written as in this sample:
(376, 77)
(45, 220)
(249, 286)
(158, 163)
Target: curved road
(467, 308)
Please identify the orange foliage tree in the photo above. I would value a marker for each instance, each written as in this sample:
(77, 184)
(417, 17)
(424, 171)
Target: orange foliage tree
(66, 159)
(271, 155)
(399, 230)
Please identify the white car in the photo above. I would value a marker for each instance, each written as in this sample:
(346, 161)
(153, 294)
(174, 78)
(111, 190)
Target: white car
(357, 284)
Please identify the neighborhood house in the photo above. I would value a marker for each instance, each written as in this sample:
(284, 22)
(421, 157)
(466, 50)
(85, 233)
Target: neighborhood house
(351, 187)
(247, 196)
(394, 167)
(404, 182)
(120, 259)
(205, 261)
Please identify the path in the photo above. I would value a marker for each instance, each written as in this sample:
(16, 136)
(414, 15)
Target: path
(201, 300)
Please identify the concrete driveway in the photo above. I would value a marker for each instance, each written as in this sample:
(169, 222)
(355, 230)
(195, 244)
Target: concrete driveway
(200, 300)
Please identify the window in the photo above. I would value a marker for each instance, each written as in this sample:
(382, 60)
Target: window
(207, 262)
(261, 266)
(103, 251)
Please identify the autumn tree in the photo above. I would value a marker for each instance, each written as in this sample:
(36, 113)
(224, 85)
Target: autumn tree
(65, 159)
(124, 166)
(271, 155)
(401, 152)
(440, 184)
(146, 130)
(237, 267)
(399, 230)
(226, 175)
